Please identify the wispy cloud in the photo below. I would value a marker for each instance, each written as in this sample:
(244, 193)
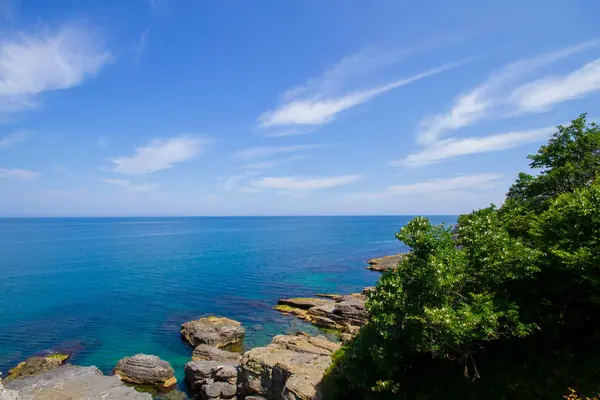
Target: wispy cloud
(18, 174)
(47, 60)
(297, 184)
(436, 187)
(128, 185)
(503, 94)
(141, 44)
(13, 139)
(265, 151)
(317, 111)
(159, 155)
(233, 182)
(544, 93)
(320, 100)
(451, 148)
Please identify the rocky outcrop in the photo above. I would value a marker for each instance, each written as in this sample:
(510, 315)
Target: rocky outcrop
(36, 365)
(205, 352)
(213, 331)
(212, 379)
(144, 369)
(291, 367)
(70, 382)
(342, 313)
(387, 263)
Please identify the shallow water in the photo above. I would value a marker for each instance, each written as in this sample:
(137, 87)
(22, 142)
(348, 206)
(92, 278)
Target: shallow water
(106, 288)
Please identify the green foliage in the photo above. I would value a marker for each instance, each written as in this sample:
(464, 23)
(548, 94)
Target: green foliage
(507, 309)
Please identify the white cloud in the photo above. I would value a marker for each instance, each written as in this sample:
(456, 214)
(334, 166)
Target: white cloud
(19, 174)
(454, 147)
(318, 110)
(140, 46)
(127, 184)
(47, 60)
(232, 182)
(544, 93)
(436, 187)
(493, 99)
(295, 184)
(159, 155)
(13, 139)
(264, 151)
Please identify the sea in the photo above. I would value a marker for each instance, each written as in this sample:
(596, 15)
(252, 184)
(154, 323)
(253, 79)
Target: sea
(105, 288)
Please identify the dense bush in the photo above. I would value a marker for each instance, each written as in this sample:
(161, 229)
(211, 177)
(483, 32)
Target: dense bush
(510, 309)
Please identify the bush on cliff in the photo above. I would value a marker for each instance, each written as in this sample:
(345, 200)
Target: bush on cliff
(513, 311)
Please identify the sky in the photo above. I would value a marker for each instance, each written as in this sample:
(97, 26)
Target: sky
(219, 107)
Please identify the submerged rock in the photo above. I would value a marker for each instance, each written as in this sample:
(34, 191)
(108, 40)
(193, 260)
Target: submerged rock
(205, 352)
(291, 367)
(214, 380)
(213, 331)
(387, 263)
(36, 365)
(72, 383)
(143, 369)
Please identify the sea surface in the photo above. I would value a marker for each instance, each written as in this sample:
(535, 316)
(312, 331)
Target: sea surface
(106, 288)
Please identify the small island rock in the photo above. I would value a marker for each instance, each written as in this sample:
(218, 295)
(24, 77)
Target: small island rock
(143, 369)
(213, 331)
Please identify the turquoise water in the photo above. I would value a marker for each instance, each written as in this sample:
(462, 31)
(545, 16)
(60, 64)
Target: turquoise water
(106, 288)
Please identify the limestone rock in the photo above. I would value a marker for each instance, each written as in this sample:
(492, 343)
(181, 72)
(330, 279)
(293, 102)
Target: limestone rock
(205, 352)
(213, 331)
(73, 383)
(344, 313)
(303, 303)
(143, 369)
(290, 367)
(386, 263)
(36, 365)
(214, 380)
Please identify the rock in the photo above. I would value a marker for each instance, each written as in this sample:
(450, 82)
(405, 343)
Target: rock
(344, 314)
(290, 367)
(72, 383)
(254, 398)
(303, 303)
(383, 264)
(213, 331)
(368, 289)
(143, 369)
(36, 365)
(214, 380)
(205, 352)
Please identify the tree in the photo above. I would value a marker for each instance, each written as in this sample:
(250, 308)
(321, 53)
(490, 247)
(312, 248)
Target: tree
(513, 304)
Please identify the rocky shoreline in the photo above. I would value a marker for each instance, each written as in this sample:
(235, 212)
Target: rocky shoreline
(290, 367)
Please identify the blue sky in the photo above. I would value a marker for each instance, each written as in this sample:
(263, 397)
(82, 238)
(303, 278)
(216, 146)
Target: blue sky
(185, 107)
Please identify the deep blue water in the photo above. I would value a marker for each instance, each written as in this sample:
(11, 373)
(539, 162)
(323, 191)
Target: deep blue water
(106, 288)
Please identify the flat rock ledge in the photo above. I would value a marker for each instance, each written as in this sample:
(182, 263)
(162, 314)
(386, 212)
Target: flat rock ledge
(291, 367)
(69, 382)
(213, 331)
(205, 352)
(387, 263)
(144, 369)
(345, 314)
